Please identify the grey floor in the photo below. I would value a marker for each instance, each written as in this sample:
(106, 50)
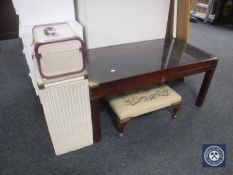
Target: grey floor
(155, 144)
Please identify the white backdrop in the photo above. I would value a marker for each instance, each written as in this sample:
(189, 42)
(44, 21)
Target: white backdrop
(34, 12)
(106, 22)
(112, 22)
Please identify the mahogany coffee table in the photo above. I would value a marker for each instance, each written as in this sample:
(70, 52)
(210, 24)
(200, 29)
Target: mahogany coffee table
(117, 69)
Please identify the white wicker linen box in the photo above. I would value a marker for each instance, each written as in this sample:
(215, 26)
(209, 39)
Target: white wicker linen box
(64, 97)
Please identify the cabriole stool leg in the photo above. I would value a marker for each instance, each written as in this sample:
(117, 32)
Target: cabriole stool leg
(121, 126)
(176, 108)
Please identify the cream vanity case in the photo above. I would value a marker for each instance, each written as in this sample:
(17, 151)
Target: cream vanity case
(59, 52)
(55, 53)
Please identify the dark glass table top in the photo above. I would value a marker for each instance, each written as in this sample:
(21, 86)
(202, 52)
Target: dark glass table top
(127, 60)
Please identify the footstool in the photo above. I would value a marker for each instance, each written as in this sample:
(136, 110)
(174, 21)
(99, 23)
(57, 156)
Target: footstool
(131, 105)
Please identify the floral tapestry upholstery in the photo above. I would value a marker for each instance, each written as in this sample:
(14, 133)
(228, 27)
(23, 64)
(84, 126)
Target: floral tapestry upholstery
(143, 101)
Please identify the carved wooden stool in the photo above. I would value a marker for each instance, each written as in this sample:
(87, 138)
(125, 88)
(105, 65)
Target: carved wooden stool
(130, 105)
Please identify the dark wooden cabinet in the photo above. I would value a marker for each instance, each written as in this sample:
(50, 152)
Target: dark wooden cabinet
(9, 21)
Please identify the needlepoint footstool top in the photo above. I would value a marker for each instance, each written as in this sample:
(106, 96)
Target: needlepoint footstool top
(139, 102)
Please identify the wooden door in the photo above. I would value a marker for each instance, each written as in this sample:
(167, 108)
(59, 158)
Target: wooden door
(9, 21)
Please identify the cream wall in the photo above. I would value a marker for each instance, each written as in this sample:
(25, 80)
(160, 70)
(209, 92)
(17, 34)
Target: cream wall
(35, 12)
(113, 22)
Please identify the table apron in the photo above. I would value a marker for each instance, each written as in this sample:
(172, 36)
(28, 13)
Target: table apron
(150, 79)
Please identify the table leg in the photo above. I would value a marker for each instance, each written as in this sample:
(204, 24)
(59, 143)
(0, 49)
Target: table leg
(181, 79)
(204, 87)
(95, 112)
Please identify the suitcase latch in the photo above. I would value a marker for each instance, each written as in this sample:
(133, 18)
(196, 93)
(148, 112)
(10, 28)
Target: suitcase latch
(163, 79)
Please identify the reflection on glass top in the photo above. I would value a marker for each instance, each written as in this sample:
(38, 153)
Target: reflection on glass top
(123, 61)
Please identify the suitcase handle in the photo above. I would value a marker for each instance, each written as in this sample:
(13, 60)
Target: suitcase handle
(50, 31)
